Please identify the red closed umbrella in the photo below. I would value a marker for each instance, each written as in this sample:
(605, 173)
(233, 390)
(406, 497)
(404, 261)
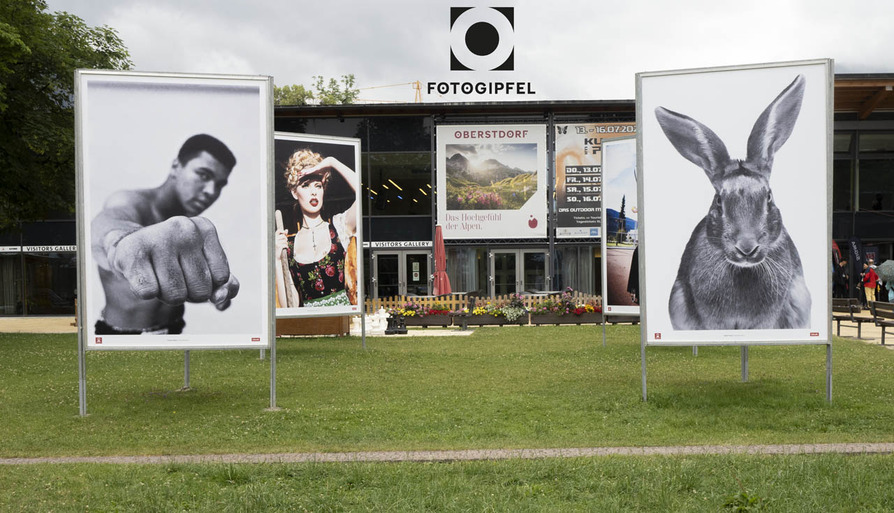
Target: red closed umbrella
(441, 280)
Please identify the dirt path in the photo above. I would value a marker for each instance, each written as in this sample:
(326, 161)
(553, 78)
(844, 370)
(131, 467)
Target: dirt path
(468, 455)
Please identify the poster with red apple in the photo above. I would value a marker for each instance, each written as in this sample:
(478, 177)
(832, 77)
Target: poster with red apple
(491, 181)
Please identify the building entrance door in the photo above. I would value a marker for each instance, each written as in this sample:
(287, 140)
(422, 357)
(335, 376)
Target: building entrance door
(518, 270)
(401, 273)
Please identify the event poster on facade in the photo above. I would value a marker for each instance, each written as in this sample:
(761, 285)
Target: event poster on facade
(492, 181)
(174, 210)
(318, 262)
(579, 176)
(734, 169)
(620, 217)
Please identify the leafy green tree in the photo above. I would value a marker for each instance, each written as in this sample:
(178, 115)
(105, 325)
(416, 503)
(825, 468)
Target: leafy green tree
(332, 93)
(39, 52)
(291, 95)
(326, 93)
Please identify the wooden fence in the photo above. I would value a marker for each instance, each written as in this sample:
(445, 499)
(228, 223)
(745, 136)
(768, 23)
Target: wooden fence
(454, 302)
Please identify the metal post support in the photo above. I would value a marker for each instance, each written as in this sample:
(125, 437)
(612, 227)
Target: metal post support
(363, 327)
(263, 354)
(273, 375)
(744, 350)
(829, 373)
(185, 370)
(603, 330)
(82, 374)
(694, 350)
(552, 215)
(643, 358)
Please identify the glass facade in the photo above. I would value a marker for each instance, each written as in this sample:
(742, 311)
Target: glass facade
(467, 268)
(863, 186)
(875, 158)
(38, 269)
(399, 184)
(11, 285)
(579, 268)
(51, 282)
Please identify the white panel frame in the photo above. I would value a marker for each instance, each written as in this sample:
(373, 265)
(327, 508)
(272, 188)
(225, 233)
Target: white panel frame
(319, 143)
(153, 113)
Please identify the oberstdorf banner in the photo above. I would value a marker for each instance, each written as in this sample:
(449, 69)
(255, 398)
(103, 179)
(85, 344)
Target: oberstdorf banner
(491, 181)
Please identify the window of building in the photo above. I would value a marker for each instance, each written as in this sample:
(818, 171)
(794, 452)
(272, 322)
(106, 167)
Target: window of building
(51, 281)
(579, 267)
(876, 171)
(876, 184)
(399, 184)
(842, 184)
(842, 143)
(874, 142)
(11, 284)
(467, 269)
(337, 127)
(408, 133)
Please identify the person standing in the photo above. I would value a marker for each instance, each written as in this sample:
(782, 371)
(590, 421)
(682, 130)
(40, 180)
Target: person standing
(870, 281)
(840, 280)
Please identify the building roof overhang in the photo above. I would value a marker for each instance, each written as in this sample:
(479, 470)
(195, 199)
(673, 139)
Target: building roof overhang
(858, 94)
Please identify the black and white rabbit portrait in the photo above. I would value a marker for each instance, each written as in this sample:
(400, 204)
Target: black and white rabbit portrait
(740, 269)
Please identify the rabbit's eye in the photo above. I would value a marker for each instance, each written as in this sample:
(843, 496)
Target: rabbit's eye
(718, 201)
(769, 197)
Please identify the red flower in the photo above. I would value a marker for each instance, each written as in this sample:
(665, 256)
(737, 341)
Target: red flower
(319, 285)
(333, 248)
(341, 276)
(331, 233)
(330, 270)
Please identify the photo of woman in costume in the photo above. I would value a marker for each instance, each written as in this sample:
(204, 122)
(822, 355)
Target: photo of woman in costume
(317, 254)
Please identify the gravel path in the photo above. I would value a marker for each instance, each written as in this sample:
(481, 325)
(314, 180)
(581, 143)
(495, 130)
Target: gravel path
(469, 455)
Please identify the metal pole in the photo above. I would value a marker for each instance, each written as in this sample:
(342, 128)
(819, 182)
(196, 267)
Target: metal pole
(552, 216)
(363, 327)
(643, 358)
(744, 350)
(263, 354)
(185, 370)
(603, 330)
(273, 374)
(694, 350)
(82, 373)
(829, 373)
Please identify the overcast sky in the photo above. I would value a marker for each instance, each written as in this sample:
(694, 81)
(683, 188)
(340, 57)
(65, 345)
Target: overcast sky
(565, 50)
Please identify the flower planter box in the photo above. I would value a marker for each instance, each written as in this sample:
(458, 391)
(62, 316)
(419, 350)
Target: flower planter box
(488, 320)
(429, 320)
(551, 318)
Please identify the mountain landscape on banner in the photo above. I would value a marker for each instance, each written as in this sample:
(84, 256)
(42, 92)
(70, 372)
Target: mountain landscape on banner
(487, 185)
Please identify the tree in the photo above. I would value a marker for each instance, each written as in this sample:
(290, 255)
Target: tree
(291, 95)
(39, 52)
(332, 93)
(324, 93)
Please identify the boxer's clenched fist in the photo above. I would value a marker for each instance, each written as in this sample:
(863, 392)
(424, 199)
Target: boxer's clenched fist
(177, 260)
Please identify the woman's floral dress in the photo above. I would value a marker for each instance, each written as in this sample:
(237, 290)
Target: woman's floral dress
(321, 283)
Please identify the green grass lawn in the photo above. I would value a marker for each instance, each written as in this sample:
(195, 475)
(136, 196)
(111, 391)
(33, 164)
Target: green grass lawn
(806, 483)
(527, 387)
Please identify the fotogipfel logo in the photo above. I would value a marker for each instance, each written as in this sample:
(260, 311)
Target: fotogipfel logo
(482, 39)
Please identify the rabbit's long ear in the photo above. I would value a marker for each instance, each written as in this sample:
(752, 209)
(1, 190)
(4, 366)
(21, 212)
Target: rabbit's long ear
(696, 142)
(775, 125)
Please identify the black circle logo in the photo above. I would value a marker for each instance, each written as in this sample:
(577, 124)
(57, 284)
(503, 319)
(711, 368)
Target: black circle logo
(482, 39)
